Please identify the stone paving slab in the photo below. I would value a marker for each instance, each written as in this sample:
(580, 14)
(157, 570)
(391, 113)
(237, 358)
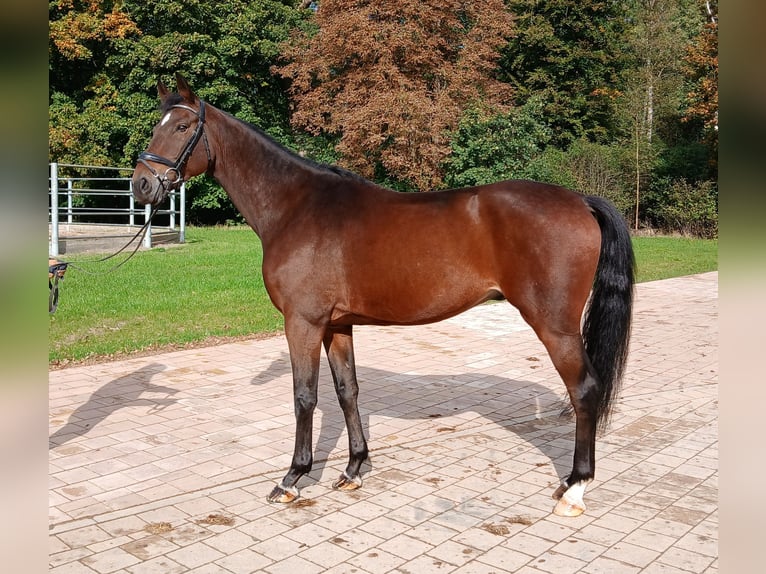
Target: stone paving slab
(162, 464)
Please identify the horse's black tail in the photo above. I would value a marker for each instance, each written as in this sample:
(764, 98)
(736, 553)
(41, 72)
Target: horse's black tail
(606, 326)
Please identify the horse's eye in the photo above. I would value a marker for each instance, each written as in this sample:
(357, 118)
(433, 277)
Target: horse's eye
(182, 127)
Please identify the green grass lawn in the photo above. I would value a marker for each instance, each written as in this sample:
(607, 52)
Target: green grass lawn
(664, 257)
(211, 288)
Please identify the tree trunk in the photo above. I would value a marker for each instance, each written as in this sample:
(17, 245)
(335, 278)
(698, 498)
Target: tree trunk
(638, 169)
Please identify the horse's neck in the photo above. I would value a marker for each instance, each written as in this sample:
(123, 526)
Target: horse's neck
(265, 183)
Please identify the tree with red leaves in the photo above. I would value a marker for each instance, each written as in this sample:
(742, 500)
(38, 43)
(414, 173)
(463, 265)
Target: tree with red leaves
(391, 78)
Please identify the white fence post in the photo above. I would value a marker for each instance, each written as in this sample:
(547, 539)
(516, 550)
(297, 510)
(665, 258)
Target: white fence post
(173, 210)
(182, 230)
(69, 202)
(53, 247)
(131, 205)
(148, 235)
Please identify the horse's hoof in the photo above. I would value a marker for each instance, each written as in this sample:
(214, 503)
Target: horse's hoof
(569, 498)
(568, 508)
(283, 495)
(346, 483)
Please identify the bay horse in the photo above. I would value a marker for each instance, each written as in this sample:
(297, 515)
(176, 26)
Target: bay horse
(339, 251)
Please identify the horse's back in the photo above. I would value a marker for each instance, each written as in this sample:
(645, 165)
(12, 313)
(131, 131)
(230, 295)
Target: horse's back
(508, 219)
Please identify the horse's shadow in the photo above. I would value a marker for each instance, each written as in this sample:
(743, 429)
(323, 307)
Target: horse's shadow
(125, 391)
(532, 411)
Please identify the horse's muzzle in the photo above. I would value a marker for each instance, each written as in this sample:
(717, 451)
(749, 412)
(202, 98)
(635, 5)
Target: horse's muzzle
(148, 189)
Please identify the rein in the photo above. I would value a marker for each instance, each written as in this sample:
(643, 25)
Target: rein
(57, 268)
(176, 167)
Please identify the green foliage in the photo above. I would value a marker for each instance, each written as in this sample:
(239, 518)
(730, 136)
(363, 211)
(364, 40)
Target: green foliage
(104, 115)
(552, 166)
(208, 204)
(570, 53)
(85, 133)
(683, 207)
(501, 146)
(687, 159)
(591, 168)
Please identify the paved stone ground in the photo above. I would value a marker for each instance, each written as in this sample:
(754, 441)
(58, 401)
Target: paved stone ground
(162, 464)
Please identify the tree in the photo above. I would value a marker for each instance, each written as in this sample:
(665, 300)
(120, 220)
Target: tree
(657, 38)
(82, 106)
(571, 54)
(80, 33)
(486, 149)
(701, 67)
(593, 94)
(390, 79)
(651, 91)
(111, 54)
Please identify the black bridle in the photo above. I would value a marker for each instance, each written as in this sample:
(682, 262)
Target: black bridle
(177, 167)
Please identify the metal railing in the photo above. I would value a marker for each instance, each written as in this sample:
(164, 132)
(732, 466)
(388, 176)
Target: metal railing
(71, 185)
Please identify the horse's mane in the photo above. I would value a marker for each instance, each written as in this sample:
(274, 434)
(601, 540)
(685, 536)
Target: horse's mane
(324, 167)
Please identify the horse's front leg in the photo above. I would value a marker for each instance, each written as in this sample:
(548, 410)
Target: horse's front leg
(304, 342)
(339, 345)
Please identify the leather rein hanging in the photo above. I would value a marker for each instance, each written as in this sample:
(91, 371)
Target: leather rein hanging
(57, 267)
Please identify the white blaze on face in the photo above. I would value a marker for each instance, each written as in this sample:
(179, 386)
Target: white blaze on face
(166, 119)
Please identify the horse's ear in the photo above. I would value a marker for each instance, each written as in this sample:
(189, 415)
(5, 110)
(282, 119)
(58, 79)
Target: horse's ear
(162, 90)
(184, 89)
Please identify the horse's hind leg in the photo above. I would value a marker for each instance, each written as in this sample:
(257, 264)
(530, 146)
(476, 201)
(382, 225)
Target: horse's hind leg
(568, 355)
(339, 345)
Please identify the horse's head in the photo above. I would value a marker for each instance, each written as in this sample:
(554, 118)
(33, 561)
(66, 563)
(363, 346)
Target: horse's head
(173, 155)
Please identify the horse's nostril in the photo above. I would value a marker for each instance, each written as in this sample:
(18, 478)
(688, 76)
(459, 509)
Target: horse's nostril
(142, 188)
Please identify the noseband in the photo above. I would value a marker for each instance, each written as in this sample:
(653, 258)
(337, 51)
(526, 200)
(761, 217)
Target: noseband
(176, 167)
